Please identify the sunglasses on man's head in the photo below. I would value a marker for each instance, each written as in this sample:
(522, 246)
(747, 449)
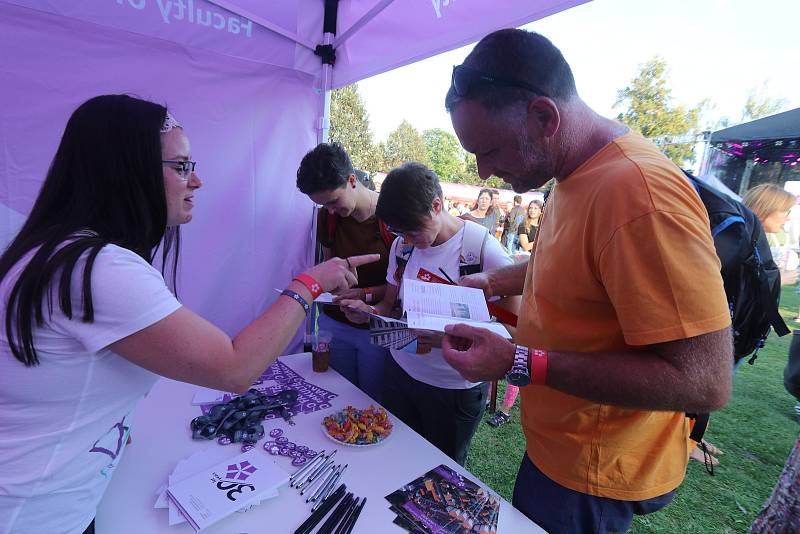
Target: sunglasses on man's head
(465, 78)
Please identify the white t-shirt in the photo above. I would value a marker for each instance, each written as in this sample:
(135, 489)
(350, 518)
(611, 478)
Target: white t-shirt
(65, 422)
(432, 368)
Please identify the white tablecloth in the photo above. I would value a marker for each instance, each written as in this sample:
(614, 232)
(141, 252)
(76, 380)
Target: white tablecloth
(161, 437)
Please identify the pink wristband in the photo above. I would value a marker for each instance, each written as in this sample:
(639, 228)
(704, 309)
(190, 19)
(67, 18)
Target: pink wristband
(538, 366)
(311, 284)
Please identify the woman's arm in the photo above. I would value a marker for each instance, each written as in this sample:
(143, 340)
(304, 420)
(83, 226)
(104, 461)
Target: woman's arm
(524, 244)
(184, 346)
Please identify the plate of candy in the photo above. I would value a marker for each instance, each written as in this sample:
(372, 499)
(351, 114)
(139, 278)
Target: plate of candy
(358, 428)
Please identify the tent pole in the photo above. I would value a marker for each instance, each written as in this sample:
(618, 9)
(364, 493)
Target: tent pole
(323, 127)
(264, 23)
(360, 23)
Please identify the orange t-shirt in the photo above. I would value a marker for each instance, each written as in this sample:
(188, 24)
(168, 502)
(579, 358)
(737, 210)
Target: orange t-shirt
(624, 258)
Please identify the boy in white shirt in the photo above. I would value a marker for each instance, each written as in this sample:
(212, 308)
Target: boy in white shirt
(421, 388)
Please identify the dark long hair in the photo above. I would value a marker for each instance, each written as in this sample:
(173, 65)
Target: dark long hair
(527, 222)
(104, 186)
(490, 209)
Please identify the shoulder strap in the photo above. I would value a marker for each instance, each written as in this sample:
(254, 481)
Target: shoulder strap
(332, 222)
(732, 219)
(401, 254)
(471, 258)
(386, 234)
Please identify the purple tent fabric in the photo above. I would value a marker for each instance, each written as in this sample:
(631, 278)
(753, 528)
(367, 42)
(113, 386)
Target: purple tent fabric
(241, 77)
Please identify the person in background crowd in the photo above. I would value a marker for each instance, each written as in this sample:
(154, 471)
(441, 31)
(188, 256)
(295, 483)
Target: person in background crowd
(422, 389)
(89, 323)
(346, 223)
(781, 512)
(772, 206)
(365, 179)
(501, 215)
(455, 210)
(621, 331)
(529, 227)
(483, 213)
(516, 214)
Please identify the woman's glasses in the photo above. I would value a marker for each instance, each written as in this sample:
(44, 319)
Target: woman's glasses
(465, 78)
(185, 168)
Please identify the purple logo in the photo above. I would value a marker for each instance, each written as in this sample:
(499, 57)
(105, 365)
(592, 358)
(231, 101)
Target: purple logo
(111, 442)
(240, 471)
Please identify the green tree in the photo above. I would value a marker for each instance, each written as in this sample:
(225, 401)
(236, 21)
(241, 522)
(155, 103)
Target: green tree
(350, 128)
(405, 144)
(759, 104)
(650, 111)
(444, 153)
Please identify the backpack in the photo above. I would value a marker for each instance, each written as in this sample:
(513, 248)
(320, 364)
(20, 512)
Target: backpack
(751, 278)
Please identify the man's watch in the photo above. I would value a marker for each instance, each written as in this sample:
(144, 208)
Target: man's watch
(519, 375)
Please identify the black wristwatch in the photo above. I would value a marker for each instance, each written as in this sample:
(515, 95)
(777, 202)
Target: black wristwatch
(520, 375)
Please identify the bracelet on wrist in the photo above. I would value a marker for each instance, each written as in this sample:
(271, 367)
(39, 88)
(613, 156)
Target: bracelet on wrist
(312, 285)
(538, 366)
(298, 299)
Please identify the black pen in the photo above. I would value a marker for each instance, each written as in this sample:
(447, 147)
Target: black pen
(337, 514)
(309, 524)
(447, 276)
(347, 515)
(354, 517)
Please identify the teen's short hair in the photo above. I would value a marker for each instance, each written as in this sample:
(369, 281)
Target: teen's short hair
(520, 55)
(324, 168)
(406, 196)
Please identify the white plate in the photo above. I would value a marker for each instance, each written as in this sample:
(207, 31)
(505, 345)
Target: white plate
(356, 445)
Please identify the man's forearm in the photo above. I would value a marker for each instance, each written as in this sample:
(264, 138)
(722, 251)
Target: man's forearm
(643, 379)
(509, 280)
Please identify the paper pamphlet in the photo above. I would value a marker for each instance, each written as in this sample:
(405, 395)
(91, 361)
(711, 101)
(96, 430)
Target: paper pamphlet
(325, 298)
(187, 467)
(211, 494)
(434, 306)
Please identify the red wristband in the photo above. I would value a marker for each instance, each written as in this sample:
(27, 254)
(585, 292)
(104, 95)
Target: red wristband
(311, 284)
(538, 366)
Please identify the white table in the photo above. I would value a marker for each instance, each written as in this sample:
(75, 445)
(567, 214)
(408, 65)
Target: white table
(161, 437)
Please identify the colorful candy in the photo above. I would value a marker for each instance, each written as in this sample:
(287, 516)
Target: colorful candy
(359, 427)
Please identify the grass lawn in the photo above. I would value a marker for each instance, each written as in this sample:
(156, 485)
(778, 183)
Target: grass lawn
(756, 430)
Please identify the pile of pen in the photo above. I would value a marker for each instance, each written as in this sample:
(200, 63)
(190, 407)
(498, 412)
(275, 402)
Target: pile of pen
(317, 480)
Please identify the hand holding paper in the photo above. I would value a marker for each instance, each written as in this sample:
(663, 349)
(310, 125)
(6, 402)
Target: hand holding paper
(356, 311)
(434, 306)
(476, 353)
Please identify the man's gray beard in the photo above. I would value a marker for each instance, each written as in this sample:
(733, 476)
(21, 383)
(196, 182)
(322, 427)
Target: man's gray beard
(533, 162)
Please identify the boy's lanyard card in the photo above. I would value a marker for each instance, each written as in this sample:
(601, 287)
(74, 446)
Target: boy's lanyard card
(502, 315)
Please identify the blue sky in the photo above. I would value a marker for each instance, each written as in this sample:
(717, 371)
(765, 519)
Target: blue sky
(717, 49)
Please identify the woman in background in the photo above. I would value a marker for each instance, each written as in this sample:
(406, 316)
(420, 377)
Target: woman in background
(529, 227)
(483, 213)
(772, 204)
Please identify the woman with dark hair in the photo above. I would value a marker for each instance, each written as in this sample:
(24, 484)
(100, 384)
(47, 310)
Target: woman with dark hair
(530, 225)
(88, 323)
(483, 213)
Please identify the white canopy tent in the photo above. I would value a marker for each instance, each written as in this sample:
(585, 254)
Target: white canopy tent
(244, 80)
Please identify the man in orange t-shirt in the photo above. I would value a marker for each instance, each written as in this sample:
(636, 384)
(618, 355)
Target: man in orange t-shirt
(624, 324)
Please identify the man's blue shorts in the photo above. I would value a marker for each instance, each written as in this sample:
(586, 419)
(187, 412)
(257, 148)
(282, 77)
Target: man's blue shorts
(560, 510)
